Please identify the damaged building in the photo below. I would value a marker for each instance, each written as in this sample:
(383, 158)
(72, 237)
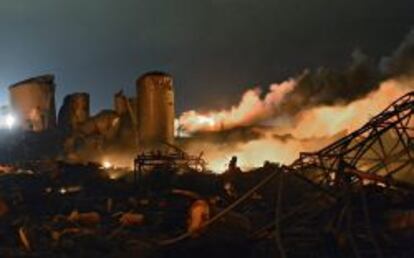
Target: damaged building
(145, 120)
(352, 198)
(33, 102)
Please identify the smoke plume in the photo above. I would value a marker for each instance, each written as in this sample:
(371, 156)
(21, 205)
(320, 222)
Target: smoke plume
(251, 110)
(304, 113)
(401, 62)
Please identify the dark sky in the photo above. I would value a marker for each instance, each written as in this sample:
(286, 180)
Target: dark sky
(214, 48)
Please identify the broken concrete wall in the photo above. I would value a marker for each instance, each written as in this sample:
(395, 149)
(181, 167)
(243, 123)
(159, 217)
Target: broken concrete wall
(121, 103)
(33, 101)
(93, 134)
(74, 111)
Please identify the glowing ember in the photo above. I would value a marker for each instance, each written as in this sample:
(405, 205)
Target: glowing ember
(106, 164)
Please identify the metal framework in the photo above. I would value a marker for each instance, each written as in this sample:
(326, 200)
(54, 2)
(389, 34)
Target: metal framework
(172, 157)
(380, 152)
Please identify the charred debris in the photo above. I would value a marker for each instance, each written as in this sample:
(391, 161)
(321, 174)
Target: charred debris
(353, 198)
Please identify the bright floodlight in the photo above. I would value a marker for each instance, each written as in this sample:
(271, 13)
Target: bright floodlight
(10, 121)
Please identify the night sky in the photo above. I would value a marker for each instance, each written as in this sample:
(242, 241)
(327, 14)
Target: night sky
(215, 49)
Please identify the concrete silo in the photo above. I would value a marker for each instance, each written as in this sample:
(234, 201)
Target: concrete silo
(74, 111)
(33, 102)
(155, 112)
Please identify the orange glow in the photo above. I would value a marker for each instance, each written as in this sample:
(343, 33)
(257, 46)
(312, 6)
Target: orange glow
(329, 120)
(250, 110)
(106, 164)
(308, 130)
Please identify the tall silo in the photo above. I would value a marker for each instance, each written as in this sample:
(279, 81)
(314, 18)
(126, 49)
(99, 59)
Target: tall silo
(33, 101)
(74, 111)
(155, 113)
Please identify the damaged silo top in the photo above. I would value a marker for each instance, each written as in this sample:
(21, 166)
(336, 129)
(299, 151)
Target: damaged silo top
(48, 79)
(33, 101)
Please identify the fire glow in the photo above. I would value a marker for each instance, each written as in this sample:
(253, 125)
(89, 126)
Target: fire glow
(307, 130)
(250, 110)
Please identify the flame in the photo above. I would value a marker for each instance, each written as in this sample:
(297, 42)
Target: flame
(251, 109)
(326, 121)
(106, 164)
(308, 130)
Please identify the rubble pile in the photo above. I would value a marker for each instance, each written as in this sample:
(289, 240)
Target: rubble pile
(353, 198)
(72, 211)
(66, 210)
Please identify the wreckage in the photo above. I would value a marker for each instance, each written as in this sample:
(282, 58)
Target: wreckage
(352, 198)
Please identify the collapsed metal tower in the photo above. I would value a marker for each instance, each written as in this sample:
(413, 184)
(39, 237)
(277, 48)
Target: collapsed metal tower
(335, 209)
(380, 152)
(349, 177)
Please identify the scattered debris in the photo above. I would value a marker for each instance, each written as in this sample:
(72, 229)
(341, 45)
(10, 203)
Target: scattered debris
(353, 198)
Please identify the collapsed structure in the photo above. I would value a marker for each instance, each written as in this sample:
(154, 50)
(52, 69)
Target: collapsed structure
(144, 122)
(33, 101)
(352, 198)
(74, 111)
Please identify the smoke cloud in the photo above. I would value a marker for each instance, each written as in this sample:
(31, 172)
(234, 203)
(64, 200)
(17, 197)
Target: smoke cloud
(252, 109)
(304, 113)
(401, 62)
